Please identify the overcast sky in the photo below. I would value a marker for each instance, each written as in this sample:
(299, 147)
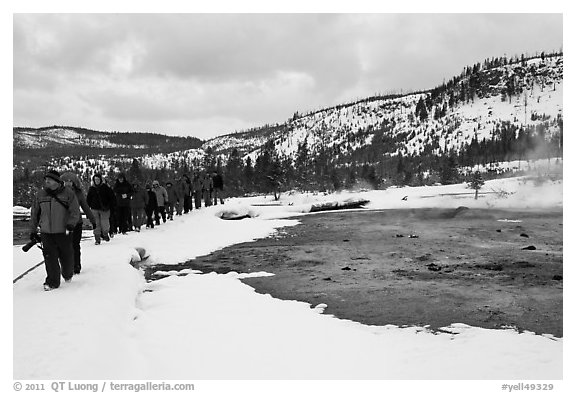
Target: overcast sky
(205, 75)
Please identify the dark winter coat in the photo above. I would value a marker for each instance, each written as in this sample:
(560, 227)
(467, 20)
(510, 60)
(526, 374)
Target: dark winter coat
(207, 184)
(180, 186)
(197, 184)
(218, 181)
(53, 216)
(175, 193)
(152, 204)
(139, 198)
(123, 191)
(187, 186)
(100, 197)
(77, 188)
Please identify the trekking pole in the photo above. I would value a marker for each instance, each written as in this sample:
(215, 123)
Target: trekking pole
(29, 270)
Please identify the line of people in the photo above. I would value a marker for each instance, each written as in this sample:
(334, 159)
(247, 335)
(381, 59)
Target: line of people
(111, 209)
(124, 207)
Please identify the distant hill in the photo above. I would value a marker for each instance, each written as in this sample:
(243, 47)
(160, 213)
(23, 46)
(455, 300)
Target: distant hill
(47, 142)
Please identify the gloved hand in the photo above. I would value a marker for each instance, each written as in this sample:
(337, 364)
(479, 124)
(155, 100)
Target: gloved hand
(33, 235)
(69, 229)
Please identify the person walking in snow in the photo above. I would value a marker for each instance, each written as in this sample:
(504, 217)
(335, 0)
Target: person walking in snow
(187, 191)
(171, 200)
(161, 200)
(207, 187)
(197, 189)
(123, 191)
(71, 180)
(218, 183)
(138, 206)
(151, 206)
(179, 201)
(101, 200)
(113, 208)
(56, 212)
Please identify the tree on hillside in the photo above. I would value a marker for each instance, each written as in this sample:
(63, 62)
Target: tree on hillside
(248, 175)
(269, 175)
(476, 183)
(302, 165)
(233, 172)
(351, 179)
(209, 162)
(510, 88)
(134, 173)
(421, 112)
(449, 169)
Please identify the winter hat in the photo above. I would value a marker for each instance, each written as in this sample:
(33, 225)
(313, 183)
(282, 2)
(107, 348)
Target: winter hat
(54, 175)
(73, 178)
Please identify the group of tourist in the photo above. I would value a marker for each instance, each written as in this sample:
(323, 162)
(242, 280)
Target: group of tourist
(112, 208)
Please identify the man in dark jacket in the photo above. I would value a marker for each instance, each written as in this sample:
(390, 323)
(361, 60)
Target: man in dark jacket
(123, 191)
(71, 180)
(207, 189)
(197, 190)
(56, 212)
(101, 200)
(138, 206)
(187, 188)
(151, 206)
(113, 207)
(218, 184)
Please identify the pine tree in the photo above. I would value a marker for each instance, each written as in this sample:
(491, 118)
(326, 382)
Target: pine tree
(476, 183)
(234, 171)
(248, 175)
(421, 112)
(269, 176)
(302, 164)
(134, 172)
(449, 170)
(510, 88)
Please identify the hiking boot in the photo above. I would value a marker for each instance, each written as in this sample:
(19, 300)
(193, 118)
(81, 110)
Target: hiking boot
(48, 287)
(106, 238)
(68, 280)
(97, 242)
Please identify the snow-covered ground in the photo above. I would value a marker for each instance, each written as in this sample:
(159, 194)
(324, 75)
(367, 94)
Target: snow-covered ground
(110, 324)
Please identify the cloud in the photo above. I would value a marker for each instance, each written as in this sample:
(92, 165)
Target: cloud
(154, 70)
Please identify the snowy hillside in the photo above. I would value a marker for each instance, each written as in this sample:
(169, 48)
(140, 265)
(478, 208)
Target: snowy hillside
(535, 98)
(63, 136)
(190, 158)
